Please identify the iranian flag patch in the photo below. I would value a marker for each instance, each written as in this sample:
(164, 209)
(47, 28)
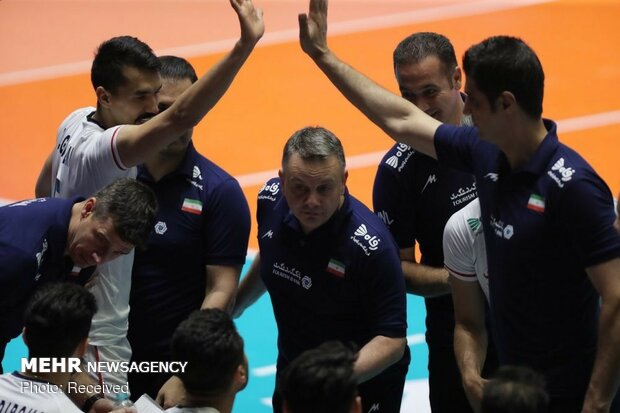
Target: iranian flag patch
(193, 206)
(336, 268)
(536, 203)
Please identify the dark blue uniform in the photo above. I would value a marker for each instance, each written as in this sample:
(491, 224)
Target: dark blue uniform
(203, 219)
(342, 281)
(544, 223)
(33, 239)
(415, 196)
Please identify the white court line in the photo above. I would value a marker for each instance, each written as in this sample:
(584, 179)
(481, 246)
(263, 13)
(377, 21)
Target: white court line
(373, 158)
(285, 36)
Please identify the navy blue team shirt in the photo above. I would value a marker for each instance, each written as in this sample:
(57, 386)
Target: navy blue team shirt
(343, 281)
(33, 238)
(203, 219)
(544, 223)
(415, 196)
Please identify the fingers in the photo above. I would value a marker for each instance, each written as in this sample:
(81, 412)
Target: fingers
(318, 7)
(303, 24)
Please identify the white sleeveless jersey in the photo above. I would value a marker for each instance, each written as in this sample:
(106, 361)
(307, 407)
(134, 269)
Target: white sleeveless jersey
(86, 160)
(22, 394)
(464, 248)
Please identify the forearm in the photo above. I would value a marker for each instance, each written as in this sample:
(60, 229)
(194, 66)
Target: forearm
(43, 187)
(393, 114)
(377, 355)
(606, 373)
(220, 297)
(221, 286)
(470, 349)
(424, 280)
(250, 289)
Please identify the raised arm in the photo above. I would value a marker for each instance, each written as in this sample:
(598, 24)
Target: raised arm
(137, 143)
(399, 118)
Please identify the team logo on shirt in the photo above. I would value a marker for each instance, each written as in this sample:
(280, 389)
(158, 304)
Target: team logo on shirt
(196, 173)
(500, 229)
(432, 178)
(474, 224)
(385, 218)
(492, 176)
(395, 160)
(269, 191)
(291, 274)
(464, 194)
(561, 173)
(367, 242)
(161, 228)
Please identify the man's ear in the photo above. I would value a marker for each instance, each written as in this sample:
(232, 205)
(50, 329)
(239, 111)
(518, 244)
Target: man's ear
(241, 377)
(80, 350)
(25, 336)
(89, 207)
(103, 96)
(457, 78)
(507, 101)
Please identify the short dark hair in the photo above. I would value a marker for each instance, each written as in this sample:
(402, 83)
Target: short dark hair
(418, 46)
(313, 143)
(177, 68)
(57, 319)
(131, 205)
(505, 63)
(515, 389)
(117, 53)
(321, 380)
(213, 349)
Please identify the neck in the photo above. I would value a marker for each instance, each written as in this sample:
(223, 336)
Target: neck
(102, 119)
(458, 113)
(161, 165)
(523, 140)
(223, 403)
(59, 379)
(76, 212)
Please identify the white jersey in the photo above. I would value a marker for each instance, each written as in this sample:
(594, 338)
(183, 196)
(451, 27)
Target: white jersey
(19, 393)
(464, 248)
(85, 161)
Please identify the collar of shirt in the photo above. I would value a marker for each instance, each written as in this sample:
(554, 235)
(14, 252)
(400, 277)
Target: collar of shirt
(185, 168)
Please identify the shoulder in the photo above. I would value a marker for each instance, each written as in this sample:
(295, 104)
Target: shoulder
(397, 158)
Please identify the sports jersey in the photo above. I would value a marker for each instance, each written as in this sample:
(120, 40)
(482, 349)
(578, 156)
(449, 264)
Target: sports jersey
(203, 219)
(342, 281)
(29, 258)
(19, 393)
(85, 161)
(464, 248)
(544, 222)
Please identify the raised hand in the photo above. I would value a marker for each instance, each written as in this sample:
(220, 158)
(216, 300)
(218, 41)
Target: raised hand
(250, 20)
(313, 29)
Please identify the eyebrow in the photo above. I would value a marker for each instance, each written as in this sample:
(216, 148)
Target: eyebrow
(147, 92)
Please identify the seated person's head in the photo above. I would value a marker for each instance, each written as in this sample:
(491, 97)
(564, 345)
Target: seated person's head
(57, 320)
(213, 349)
(321, 380)
(515, 389)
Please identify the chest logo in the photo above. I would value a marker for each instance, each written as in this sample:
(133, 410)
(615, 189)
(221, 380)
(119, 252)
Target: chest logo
(268, 234)
(502, 230)
(492, 176)
(394, 160)
(385, 218)
(161, 228)
(193, 206)
(291, 274)
(269, 191)
(368, 242)
(561, 173)
(196, 173)
(336, 268)
(431, 180)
